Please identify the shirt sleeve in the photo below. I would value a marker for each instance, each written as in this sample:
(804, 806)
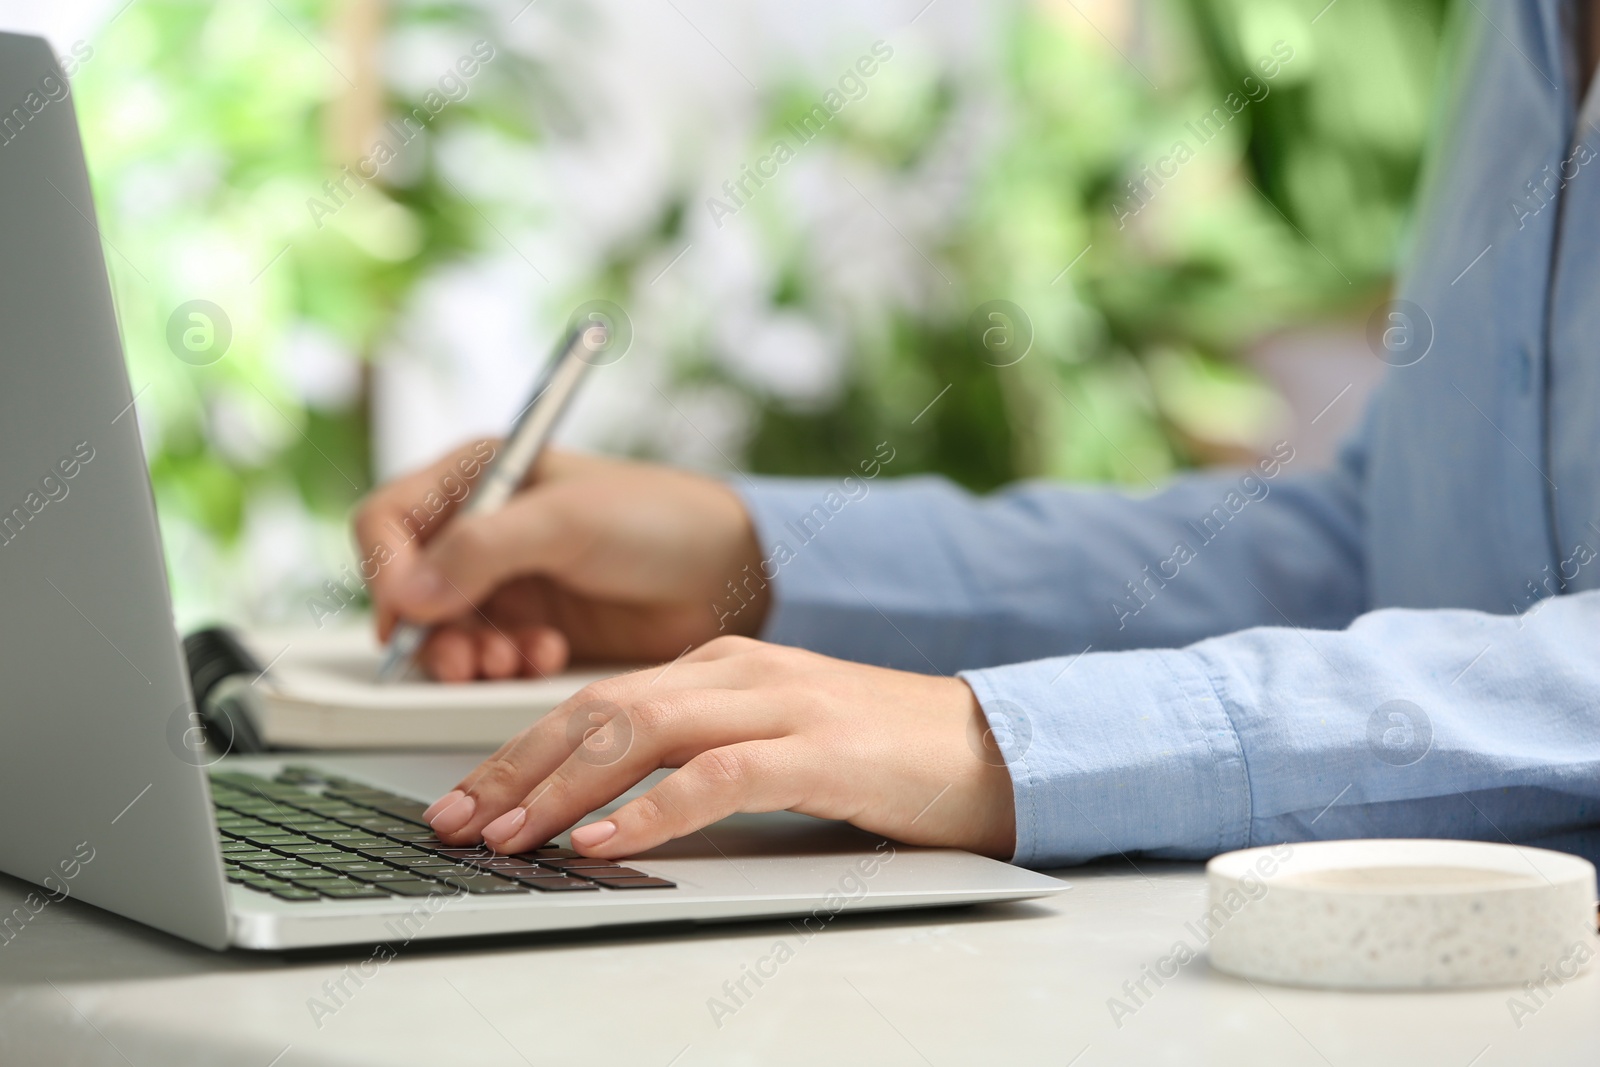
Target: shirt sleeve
(914, 573)
(1408, 723)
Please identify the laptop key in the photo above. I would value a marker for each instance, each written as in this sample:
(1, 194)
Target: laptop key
(260, 881)
(553, 883)
(395, 852)
(289, 892)
(362, 843)
(306, 826)
(389, 874)
(237, 798)
(599, 872)
(401, 808)
(323, 803)
(353, 839)
(356, 866)
(265, 818)
(319, 884)
(310, 848)
(355, 791)
(254, 881)
(230, 815)
(383, 829)
(278, 841)
(343, 813)
(339, 832)
(381, 823)
(425, 861)
(279, 866)
(539, 855)
(253, 854)
(421, 889)
(500, 863)
(636, 883)
(483, 883)
(358, 892)
(573, 863)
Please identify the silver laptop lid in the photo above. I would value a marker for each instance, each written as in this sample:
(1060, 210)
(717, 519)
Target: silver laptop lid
(100, 796)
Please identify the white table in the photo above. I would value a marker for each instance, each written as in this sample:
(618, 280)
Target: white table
(1021, 983)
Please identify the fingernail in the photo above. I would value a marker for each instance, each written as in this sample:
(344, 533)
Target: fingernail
(454, 816)
(596, 833)
(443, 802)
(423, 585)
(506, 825)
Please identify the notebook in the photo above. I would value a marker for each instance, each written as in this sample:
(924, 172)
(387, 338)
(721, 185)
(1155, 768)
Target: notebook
(315, 689)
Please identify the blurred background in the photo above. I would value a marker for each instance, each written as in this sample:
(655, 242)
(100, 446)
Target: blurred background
(1098, 240)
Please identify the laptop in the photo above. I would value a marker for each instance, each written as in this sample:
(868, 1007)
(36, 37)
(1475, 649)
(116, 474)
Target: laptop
(106, 793)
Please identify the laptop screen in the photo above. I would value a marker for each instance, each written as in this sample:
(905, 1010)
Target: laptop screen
(100, 800)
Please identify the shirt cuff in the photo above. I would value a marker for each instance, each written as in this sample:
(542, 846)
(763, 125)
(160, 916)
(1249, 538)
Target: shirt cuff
(1117, 752)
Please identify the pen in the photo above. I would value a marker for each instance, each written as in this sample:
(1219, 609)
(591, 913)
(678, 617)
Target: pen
(529, 434)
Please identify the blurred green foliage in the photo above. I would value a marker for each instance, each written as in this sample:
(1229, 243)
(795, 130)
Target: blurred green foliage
(208, 129)
(1295, 212)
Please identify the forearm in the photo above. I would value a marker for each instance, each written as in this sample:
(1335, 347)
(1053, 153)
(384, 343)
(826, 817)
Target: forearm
(918, 574)
(1409, 723)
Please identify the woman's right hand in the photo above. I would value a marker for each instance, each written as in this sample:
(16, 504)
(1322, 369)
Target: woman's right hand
(595, 560)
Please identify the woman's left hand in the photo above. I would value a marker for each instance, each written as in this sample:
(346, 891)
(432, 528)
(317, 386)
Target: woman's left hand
(752, 727)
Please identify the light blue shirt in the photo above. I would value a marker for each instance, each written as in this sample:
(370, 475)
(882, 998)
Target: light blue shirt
(1406, 645)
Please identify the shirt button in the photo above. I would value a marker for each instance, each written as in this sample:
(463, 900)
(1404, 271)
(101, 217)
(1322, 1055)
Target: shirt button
(1521, 370)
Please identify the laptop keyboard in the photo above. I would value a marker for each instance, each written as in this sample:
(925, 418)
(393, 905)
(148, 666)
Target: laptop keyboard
(305, 836)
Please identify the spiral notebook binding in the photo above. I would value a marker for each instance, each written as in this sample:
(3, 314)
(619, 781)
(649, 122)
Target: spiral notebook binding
(214, 655)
